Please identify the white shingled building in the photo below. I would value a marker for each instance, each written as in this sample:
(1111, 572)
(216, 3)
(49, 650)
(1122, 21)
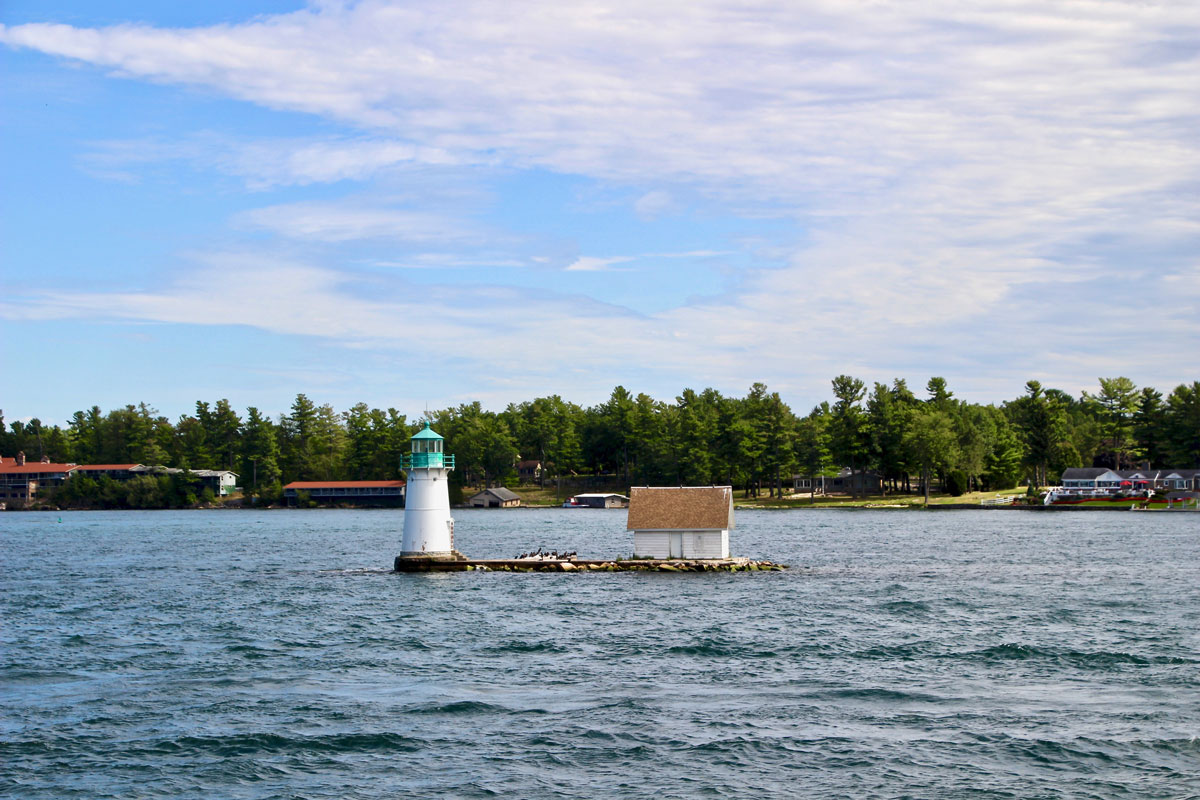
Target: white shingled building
(680, 522)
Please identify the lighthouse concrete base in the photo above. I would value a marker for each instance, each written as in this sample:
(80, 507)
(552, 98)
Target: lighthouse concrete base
(408, 562)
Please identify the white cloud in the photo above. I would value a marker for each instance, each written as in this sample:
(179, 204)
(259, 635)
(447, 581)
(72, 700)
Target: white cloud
(791, 98)
(333, 222)
(593, 264)
(960, 170)
(654, 204)
(268, 163)
(282, 162)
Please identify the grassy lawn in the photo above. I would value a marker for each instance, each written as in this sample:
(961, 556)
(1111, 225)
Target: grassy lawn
(531, 495)
(803, 500)
(546, 497)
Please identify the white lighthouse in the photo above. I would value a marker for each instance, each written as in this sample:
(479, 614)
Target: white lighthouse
(428, 527)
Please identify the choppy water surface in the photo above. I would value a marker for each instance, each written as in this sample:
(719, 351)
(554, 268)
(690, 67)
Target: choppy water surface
(905, 654)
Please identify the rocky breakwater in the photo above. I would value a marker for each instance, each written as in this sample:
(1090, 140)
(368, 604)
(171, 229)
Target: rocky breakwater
(629, 565)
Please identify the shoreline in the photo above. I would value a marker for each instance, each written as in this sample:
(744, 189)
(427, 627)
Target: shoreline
(752, 507)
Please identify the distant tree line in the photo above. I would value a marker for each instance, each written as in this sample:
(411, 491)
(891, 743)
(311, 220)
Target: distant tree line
(754, 442)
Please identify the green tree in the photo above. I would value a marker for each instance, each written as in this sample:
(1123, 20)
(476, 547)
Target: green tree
(848, 439)
(482, 444)
(1183, 425)
(296, 434)
(368, 452)
(888, 412)
(777, 425)
(222, 430)
(546, 428)
(647, 442)
(812, 445)
(1150, 427)
(85, 435)
(499, 453)
(932, 443)
(975, 431)
(328, 443)
(699, 417)
(1117, 403)
(1003, 467)
(606, 434)
(58, 445)
(940, 397)
(259, 460)
(154, 435)
(1041, 422)
(143, 491)
(191, 444)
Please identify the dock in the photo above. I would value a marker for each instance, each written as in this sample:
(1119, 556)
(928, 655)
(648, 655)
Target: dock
(463, 564)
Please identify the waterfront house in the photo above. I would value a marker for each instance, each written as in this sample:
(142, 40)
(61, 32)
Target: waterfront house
(496, 497)
(1169, 478)
(680, 522)
(1090, 478)
(359, 493)
(844, 482)
(1094, 478)
(529, 471)
(221, 481)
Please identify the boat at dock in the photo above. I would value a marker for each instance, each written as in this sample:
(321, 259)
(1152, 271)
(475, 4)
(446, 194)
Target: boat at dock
(597, 500)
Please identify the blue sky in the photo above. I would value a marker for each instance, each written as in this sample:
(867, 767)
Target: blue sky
(420, 204)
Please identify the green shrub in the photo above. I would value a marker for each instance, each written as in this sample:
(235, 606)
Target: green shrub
(956, 483)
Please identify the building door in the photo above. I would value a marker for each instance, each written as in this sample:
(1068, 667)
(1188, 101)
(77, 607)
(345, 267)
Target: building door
(675, 546)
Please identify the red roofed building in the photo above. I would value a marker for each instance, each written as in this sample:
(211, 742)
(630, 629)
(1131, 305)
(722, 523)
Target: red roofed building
(19, 481)
(362, 493)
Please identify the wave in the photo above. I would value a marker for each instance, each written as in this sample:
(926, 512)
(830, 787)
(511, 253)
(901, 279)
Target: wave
(1077, 658)
(899, 652)
(526, 647)
(875, 693)
(258, 743)
(250, 651)
(238, 744)
(907, 607)
(460, 707)
(720, 649)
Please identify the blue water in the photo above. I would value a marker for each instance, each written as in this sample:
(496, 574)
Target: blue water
(226, 654)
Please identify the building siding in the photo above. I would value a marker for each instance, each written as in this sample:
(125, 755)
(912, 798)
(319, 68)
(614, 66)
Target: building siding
(651, 544)
(688, 544)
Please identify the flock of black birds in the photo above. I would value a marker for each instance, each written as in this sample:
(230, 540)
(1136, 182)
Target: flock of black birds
(549, 555)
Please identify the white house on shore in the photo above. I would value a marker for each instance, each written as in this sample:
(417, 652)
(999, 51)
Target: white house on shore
(680, 522)
(1099, 478)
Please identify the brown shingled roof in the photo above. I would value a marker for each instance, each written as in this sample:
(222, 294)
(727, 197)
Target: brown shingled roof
(680, 508)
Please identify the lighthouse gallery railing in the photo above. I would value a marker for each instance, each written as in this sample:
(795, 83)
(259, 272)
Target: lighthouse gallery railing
(419, 460)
